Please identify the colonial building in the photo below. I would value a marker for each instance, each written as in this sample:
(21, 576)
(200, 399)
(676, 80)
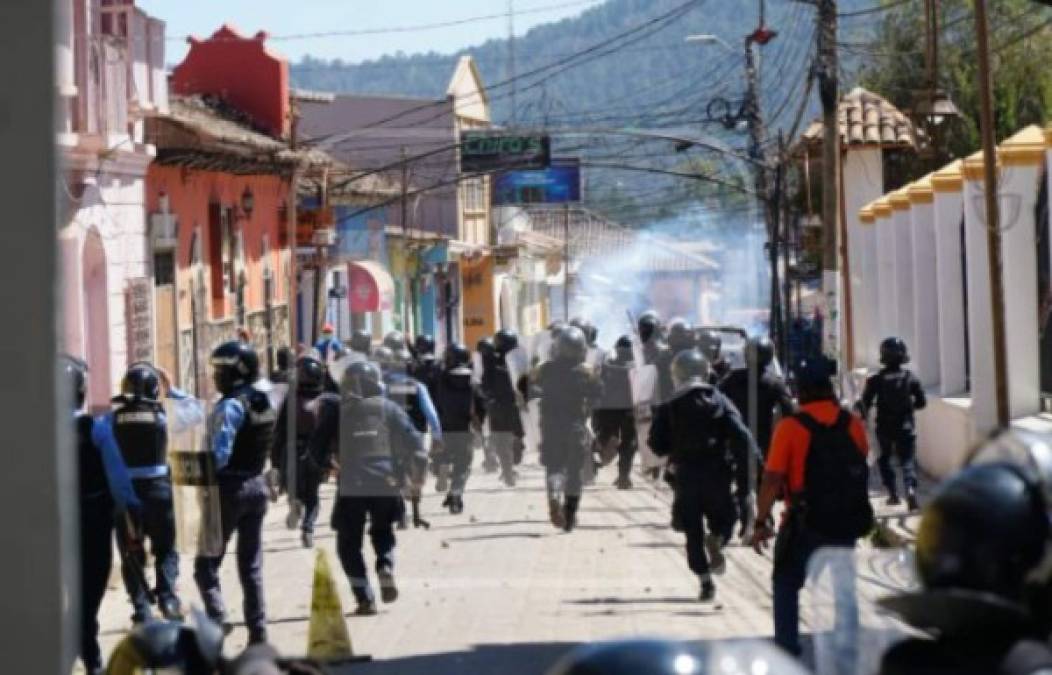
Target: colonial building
(110, 78)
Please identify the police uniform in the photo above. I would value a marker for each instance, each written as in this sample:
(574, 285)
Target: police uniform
(457, 402)
(308, 475)
(505, 422)
(141, 431)
(413, 397)
(897, 393)
(241, 435)
(696, 430)
(568, 392)
(614, 418)
(378, 447)
(104, 486)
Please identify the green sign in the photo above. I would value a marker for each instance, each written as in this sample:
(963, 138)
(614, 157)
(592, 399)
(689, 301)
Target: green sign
(484, 151)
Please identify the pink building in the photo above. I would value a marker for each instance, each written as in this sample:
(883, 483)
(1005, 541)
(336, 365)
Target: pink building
(110, 77)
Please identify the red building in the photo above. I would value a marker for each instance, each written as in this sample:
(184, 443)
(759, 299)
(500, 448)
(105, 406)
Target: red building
(221, 193)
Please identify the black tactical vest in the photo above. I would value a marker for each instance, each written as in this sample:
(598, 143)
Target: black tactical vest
(254, 438)
(405, 394)
(363, 430)
(455, 398)
(92, 472)
(141, 434)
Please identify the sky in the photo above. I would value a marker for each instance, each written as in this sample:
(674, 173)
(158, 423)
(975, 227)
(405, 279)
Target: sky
(283, 18)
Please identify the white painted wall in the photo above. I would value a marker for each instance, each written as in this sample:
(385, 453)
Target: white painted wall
(949, 270)
(863, 182)
(925, 297)
(886, 279)
(1018, 198)
(980, 331)
(903, 229)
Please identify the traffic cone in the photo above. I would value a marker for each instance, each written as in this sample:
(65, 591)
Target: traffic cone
(327, 637)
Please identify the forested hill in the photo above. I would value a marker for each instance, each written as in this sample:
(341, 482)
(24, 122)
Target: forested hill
(625, 62)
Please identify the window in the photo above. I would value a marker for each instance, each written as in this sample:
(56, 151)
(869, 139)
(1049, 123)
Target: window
(163, 269)
(1044, 294)
(474, 195)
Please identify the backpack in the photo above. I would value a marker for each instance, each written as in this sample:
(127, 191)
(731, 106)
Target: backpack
(835, 498)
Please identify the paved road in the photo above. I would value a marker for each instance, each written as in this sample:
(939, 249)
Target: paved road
(499, 588)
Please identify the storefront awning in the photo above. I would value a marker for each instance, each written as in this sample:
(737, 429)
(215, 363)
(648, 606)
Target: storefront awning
(371, 287)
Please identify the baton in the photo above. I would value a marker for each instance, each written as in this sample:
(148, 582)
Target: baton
(131, 561)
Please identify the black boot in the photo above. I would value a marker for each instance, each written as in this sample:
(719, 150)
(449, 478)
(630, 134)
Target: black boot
(911, 500)
(570, 513)
(893, 497)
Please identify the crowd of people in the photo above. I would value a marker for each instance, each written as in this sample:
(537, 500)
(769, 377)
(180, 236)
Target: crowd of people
(727, 435)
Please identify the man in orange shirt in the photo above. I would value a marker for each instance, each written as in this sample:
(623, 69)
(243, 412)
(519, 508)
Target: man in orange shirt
(817, 462)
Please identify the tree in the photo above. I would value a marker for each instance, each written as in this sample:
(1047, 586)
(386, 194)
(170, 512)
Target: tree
(1021, 39)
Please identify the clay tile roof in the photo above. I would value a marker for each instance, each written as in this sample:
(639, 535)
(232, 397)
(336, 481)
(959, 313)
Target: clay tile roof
(867, 119)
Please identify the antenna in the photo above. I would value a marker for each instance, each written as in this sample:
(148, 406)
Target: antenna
(511, 64)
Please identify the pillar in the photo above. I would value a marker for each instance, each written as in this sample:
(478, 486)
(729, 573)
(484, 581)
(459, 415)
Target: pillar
(947, 214)
(925, 283)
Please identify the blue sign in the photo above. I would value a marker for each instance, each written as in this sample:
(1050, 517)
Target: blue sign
(558, 184)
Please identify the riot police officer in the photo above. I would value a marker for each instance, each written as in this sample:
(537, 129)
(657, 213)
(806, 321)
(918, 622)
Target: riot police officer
(680, 339)
(378, 449)
(614, 420)
(985, 602)
(711, 345)
(362, 342)
(648, 326)
(568, 391)
(695, 429)
(103, 488)
(310, 388)
(425, 366)
(505, 423)
(241, 433)
(141, 430)
(457, 403)
(897, 393)
(770, 392)
(413, 397)
(487, 353)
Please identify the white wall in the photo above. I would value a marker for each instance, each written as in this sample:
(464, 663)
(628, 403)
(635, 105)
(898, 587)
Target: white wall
(980, 331)
(949, 262)
(888, 301)
(863, 182)
(903, 226)
(925, 297)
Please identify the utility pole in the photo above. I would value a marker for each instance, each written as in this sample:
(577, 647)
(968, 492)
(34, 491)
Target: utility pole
(828, 92)
(405, 240)
(511, 64)
(993, 227)
(566, 262)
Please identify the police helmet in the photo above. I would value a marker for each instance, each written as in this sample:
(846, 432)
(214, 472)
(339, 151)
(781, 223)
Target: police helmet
(577, 322)
(424, 344)
(690, 365)
(284, 358)
(384, 357)
(170, 647)
(363, 379)
(235, 365)
(893, 352)
(663, 657)
(759, 352)
(75, 372)
(485, 347)
(310, 374)
(648, 323)
(556, 327)
(395, 341)
(680, 335)
(987, 528)
(710, 343)
(623, 348)
(572, 345)
(361, 341)
(505, 340)
(141, 382)
(457, 355)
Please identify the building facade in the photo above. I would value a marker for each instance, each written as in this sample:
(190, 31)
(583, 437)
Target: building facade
(110, 77)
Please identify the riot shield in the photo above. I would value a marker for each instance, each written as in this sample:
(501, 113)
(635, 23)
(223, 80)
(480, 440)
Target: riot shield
(850, 630)
(518, 362)
(644, 390)
(195, 488)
